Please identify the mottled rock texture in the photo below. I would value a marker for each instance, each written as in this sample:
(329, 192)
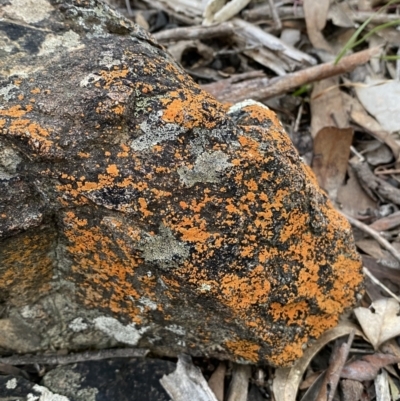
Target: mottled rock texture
(136, 210)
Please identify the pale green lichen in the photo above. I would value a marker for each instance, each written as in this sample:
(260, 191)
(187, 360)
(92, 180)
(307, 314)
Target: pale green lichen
(207, 168)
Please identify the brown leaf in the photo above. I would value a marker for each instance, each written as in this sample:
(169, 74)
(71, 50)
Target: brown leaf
(287, 380)
(367, 367)
(352, 197)
(386, 223)
(316, 13)
(379, 322)
(327, 106)
(216, 381)
(331, 154)
(352, 390)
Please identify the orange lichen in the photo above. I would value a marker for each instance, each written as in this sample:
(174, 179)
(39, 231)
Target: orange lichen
(27, 267)
(245, 349)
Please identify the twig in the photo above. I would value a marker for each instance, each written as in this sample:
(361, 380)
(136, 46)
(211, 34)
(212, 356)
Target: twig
(275, 15)
(377, 282)
(75, 357)
(265, 88)
(374, 234)
(332, 375)
(195, 32)
(289, 12)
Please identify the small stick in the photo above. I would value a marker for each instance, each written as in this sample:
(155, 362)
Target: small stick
(265, 88)
(374, 234)
(275, 15)
(377, 282)
(75, 357)
(195, 32)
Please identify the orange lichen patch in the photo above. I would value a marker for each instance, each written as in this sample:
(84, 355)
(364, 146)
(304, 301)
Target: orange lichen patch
(2, 123)
(240, 293)
(143, 207)
(183, 108)
(125, 151)
(252, 149)
(288, 354)
(289, 313)
(114, 76)
(105, 266)
(192, 229)
(36, 135)
(112, 170)
(35, 91)
(15, 111)
(26, 268)
(119, 109)
(245, 349)
(84, 155)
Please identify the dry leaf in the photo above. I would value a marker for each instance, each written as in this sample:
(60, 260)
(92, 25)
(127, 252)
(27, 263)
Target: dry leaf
(186, 382)
(238, 387)
(381, 100)
(386, 223)
(216, 381)
(380, 321)
(352, 390)
(316, 14)
(287, 380)
(362, 118)
(367, 368)
(382, 387)
(331, 155)
(352, 197)
(327, 106)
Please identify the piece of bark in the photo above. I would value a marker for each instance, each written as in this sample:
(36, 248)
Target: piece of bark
(137, 211)
(187, 382)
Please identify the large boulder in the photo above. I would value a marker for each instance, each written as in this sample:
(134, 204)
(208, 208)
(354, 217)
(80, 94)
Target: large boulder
(135, 210)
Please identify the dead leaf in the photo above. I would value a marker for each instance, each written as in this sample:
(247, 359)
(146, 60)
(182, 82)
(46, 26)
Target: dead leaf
(359, 115)
(367, 368)
(352, 390)
(216, 381)
(316, 14)
(382, 387)
(380, 98)
(332, 375)
(186, 382)
(380, 321)
(386, 223)
(327, 106)
(352, 198)
(238, 387)
(287, 380)
(331, 155)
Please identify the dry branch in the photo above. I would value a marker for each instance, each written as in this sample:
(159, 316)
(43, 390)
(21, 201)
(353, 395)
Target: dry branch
(265, 88)
(195, 32)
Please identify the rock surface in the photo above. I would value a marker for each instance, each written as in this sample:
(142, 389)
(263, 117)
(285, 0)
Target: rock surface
(136, 210)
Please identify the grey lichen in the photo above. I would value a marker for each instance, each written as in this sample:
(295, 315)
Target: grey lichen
(164, 248)
(207, 168)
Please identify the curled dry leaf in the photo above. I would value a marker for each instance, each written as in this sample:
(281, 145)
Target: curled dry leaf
(367, 367)
(331, 155)
(287, 380)
(379, 322)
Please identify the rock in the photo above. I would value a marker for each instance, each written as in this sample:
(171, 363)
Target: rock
(118, 379)
(136, 211)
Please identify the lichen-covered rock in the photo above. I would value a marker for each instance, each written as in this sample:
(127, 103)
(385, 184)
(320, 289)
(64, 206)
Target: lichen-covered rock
(135, 210)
